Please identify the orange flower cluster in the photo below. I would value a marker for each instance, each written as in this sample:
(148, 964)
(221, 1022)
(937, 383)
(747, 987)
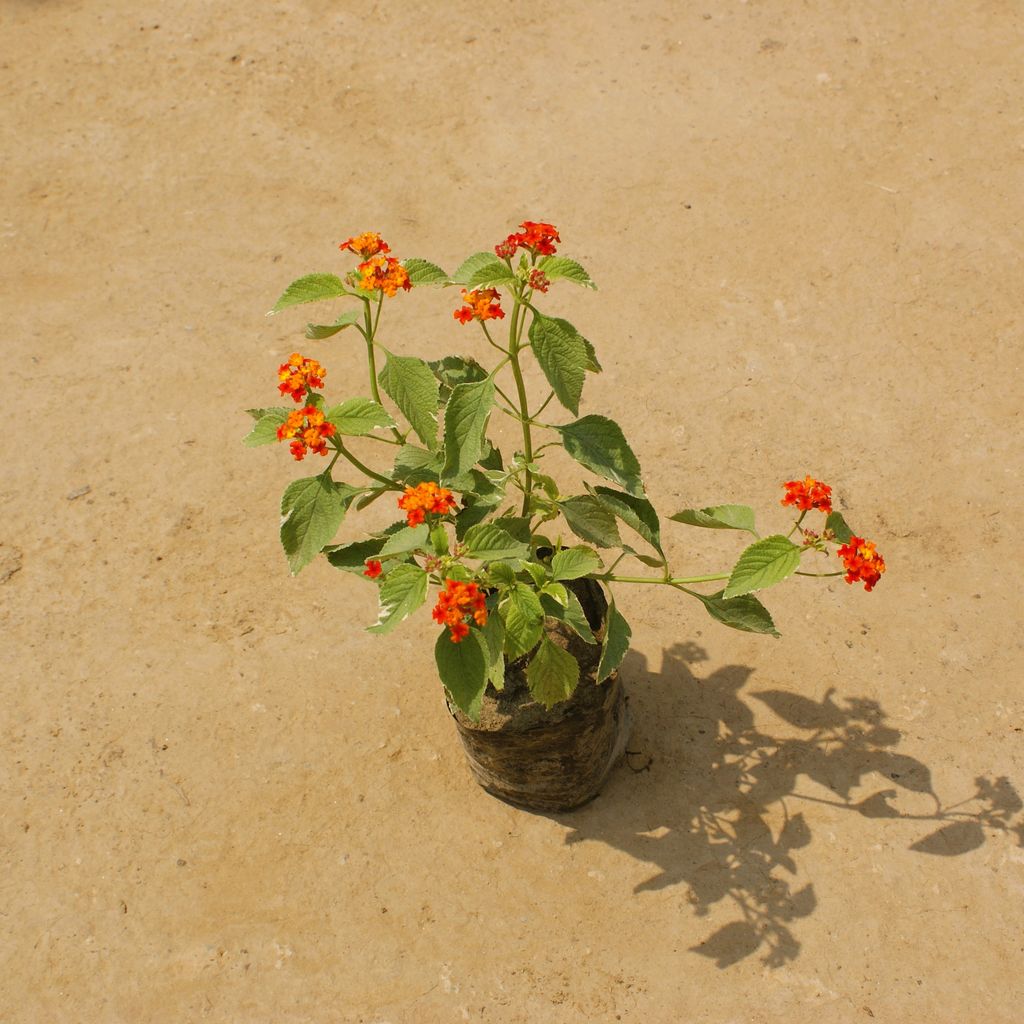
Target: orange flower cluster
(298, 374)
(368, 244)
(309, 431)
(862, 562)
(373, 568)
(536, 236)
(480, 304)
(458, 602)
(423, 498)
(384, 273)
(807, 494)
(539, 281)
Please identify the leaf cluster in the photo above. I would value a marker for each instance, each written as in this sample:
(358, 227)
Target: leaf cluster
(514, 533)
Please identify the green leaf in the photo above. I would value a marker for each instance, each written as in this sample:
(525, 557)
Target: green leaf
(553, 674)
(571, 614)
(637, 513)
(744, 612)
(616, 642)
(492, 460)
(370, 497)
(719, 517)
(320, 331)
(524, 620)
(415, 465)
(563, 358)
(572, 563)
(311, 288)
(352, 557)
(439, 539)
(423, 272)
(453, 370)
(409, 538)
(311, 512)
(765, 563)
(404, 589)
(538, 573)
(834, 522)
(488, 542)
(599, 444)
(465, 420)
(492, 637)
(359, 416)
(481, 270)
(652, 560)
(264, 430)
(590, 520)
(516, 526)
(413, 388)
(558, 592)
(469, 516)
(592, 364)
(501, 574)
(463, 670)
(556, 267)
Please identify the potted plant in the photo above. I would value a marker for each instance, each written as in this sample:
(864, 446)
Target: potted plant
(520, 573)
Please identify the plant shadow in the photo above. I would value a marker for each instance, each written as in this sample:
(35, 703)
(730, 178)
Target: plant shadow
(717, 779)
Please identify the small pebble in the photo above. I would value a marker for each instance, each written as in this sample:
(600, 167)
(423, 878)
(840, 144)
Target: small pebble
(79, 492)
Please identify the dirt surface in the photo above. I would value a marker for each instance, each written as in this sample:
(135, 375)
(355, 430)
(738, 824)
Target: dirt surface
(223, 801)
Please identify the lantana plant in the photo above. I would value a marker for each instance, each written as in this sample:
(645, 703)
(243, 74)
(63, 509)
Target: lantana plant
(493, 536)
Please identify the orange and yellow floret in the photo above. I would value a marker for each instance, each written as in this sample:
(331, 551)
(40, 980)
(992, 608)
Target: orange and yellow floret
(308, 431)
(457, 602)
(373, 568)
(480, 304)
(423, 498)
(299, 374)
(368, 244)
(807, 494)
(862, 562)
(384, 273)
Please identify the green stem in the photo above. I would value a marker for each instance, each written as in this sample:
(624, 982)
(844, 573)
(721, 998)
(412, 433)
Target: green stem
(487, 333)
(371, 360)
(545, 404)
(514, 335)
(675, 581)
(819, 574)
(342, 450)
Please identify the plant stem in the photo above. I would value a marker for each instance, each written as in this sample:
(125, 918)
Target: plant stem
(514, 333)
(371, 361)
(487, 333)
(671, 582)
(342, 450)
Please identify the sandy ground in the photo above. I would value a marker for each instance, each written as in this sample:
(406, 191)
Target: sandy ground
(223, 801)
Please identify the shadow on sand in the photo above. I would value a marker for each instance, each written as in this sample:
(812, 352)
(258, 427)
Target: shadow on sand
(703, 820)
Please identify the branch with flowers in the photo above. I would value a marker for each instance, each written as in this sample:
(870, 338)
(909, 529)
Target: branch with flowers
(497, 537)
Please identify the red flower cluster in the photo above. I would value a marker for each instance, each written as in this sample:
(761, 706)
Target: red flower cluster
(384, 273)
(862, 562)
(458, 602)
(536, 236)
(368, 244)
(539, 281)
(309, 431)
(298, 374)
(373, 568)
(807, 494)
(423, 498)
(480, 305)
